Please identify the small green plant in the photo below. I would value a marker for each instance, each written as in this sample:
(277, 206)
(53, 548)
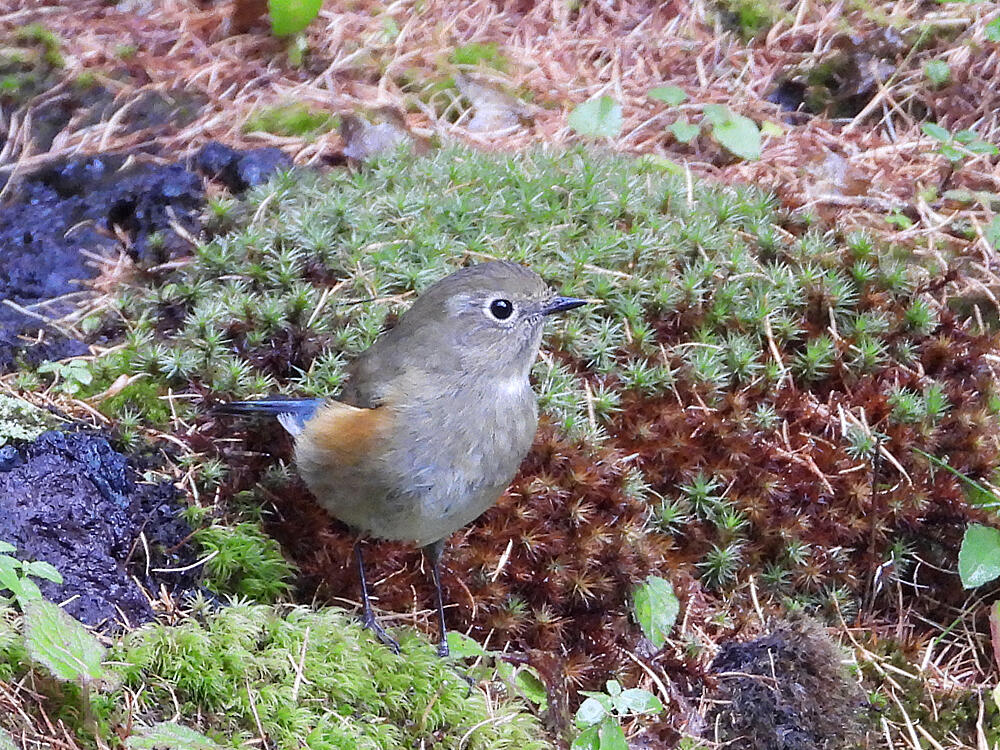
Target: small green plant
(992, 31)
(168, 734)
(599, 716)
(655, 607)
(958, 146)
(749, 17)
(684, 131)
(16, 575)
(899, 220)
(69, 651)
(294, 119)
(937, 72)
(721, 564)
(292, 16)
(736, 133)
(672, 95)
(979, 556)
(600, 117)
(480, 53)
(36, 33)
(71, 376)
(521, 680)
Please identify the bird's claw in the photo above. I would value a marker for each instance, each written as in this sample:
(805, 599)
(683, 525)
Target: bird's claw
(443, 650)
(370, 623)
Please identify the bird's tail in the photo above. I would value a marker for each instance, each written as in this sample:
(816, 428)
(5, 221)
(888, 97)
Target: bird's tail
(292, 413)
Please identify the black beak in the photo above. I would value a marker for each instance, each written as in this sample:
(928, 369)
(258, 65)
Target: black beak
(561, 304)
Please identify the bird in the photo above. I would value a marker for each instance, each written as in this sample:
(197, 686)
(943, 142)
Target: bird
(433, 420)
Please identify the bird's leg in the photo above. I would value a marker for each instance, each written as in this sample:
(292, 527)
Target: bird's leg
(367, 616)
(433, 552)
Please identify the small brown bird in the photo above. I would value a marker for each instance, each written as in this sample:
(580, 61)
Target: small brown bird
(434, 418)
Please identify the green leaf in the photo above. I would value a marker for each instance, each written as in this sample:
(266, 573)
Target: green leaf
(168, 735)
(6, 741)
(462, 646)
(27, 591)
(951, 153)
(993, 30)
(292, 16)
(979, 557)
(992, 233)
(937, 72)
(6, 547)
(672, 95)
(614, 688)
(61, 644)
(936, 132)
(42, 569)
(982, 147)
(611, 736)
(684, 131)
(592, 711)
(902, 221)
(10, 576)
(638, 701)
(531, 686)
(736, 133)
(588, 739)
(600, 117)
(771, 128)
(655, 606)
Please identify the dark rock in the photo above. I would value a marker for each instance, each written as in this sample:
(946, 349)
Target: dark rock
(214, 159)
(239, 170)
(69, 209)
(256, 167)
(71, 500)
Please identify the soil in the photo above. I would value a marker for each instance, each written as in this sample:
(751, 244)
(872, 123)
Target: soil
(71, 500)
(64, 216)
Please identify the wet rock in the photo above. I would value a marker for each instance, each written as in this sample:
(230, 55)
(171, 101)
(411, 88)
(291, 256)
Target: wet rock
(786, 690)
(239, 170)
(71, 500)
(64, 215)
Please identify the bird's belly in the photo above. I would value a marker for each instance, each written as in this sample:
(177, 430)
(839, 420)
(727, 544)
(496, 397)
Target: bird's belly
(426, 480)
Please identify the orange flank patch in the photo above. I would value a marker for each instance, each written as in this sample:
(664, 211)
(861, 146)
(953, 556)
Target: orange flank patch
(343, 432)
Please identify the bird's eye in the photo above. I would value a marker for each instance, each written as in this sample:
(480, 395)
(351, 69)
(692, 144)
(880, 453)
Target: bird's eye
(501, 309)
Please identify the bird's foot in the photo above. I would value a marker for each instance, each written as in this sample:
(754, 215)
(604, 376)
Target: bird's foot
(443, 650)
(369, 622)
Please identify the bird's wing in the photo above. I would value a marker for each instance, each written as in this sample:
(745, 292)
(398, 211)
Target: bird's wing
(342, 434)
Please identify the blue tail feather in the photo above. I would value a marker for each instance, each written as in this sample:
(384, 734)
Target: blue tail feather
(293, 413)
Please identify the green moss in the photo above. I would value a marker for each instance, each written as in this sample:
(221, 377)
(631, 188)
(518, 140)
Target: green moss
(909, 699)
(579, 218)
(20, 420)
(479, 53)
(749, 17)
(36, 33)
(142, 396)
(313, 679)
(245, 562)
(306, 678)
(295, 119)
